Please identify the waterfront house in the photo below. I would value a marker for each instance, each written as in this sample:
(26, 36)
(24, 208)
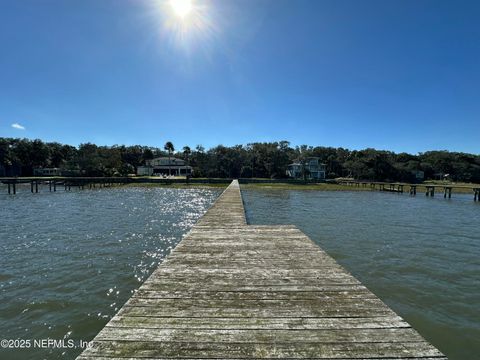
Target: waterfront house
(165, 166)
(419, 175)
(47, 172)
(313, 168)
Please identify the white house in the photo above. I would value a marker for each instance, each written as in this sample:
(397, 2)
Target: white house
(165, 166)
(314, 170)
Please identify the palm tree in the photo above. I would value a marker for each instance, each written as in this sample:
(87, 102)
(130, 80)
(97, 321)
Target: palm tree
(170, 148)
(186, 153)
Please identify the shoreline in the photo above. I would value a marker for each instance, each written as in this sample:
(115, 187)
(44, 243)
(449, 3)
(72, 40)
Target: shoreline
(283, 186)
(180, 183)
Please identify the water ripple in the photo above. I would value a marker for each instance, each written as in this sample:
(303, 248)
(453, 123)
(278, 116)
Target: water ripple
(70, 260)
(420, 255)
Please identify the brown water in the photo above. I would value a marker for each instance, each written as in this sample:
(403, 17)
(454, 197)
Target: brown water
(419, 255)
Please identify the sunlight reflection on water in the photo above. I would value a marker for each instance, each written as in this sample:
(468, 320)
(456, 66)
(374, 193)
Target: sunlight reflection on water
(70, 260)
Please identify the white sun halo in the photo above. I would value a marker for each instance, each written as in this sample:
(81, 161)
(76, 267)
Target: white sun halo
(181, 8)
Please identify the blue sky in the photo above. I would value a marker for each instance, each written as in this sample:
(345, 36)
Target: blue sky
(398, 75)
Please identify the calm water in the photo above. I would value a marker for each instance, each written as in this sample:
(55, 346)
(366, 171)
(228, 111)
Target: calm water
(420, 255)
(69, 261)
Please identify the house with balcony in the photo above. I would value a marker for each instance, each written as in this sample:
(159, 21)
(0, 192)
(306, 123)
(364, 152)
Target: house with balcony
(312, 167)
(165, 166)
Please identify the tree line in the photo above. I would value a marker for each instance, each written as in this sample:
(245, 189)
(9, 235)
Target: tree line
(19, 157)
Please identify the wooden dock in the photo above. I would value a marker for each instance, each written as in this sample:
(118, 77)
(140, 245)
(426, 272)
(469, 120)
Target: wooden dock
(396, 187)
(234, 291)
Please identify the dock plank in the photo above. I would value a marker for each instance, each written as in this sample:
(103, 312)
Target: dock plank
(235, 291)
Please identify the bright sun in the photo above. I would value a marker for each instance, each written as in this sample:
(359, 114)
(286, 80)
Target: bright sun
(181, 8)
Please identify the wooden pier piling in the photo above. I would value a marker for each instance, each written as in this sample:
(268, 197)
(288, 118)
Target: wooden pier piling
(235, 291)
(447, 191)
(430, 191)
(12, 187)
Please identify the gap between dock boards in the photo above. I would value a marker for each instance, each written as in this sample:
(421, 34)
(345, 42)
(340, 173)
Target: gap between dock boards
(235, 291)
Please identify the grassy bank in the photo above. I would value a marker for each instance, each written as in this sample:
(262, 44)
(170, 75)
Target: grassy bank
(278, 186)
(462, 188)
(286, 186)
(319, 187)
(177, 185)
(457, 188)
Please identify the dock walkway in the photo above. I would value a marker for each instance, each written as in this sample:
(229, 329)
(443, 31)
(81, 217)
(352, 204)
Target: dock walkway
(235, 291)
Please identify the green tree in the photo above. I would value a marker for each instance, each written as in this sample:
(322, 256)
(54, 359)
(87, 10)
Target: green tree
(186, 155)
(170, 149)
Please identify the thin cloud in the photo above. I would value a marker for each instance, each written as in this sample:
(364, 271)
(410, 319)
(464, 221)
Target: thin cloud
(18, 126)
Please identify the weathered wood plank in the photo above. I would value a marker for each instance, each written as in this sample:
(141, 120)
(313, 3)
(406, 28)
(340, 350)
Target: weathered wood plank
(157, 358)
(235, 281)
(175, 286)
(245, 323)
(348, 310)
(232, 350)
(257, 336)
(254, 295)
(255, 270)
(325, 303)
(164, 358)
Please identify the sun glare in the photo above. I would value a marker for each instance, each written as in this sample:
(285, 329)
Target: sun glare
(189, 24)
(181, 8)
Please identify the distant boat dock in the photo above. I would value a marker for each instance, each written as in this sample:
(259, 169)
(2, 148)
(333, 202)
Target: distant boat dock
(235, 291)
(412, 188)
(67, 183)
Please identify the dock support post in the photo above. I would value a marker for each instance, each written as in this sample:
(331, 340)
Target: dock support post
(54, 186)
(14, 188)
(31, 186)
(447, 192)
(36, 186)
(9, 191)
(430, 191)
(50, 185)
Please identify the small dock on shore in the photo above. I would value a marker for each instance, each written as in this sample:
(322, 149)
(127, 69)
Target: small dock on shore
(235, 291)
(67, 183)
